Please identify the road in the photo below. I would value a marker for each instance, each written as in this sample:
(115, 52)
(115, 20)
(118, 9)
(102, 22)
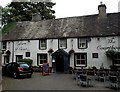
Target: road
(52, 82)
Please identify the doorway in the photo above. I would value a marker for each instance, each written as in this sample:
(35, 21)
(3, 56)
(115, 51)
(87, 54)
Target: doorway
(61, 63)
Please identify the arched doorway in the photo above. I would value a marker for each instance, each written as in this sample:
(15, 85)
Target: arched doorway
(61, 63)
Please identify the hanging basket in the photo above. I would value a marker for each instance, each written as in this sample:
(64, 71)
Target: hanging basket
(71, 51)
(50, 50)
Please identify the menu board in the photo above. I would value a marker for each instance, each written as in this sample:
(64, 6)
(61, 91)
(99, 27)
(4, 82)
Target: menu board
(45, 69)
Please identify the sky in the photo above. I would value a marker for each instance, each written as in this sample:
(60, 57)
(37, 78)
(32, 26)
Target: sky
(70, 8)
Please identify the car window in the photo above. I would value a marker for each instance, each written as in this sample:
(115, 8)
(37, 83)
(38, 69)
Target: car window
(24, 65)
(9, 65)
(15, 65)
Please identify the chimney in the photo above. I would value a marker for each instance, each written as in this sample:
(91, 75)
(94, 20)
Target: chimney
(102, 10)
(36, 17)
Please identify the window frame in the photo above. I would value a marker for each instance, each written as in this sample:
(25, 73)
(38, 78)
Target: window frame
(40, 47)
(75, 61)
(27, 54)
(95, 55)
(4, 45)
(85, 42)
(59, 42)
(39, 61)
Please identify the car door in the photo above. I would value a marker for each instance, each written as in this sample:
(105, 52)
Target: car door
(9, 69)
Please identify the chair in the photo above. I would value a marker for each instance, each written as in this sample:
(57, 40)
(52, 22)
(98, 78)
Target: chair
(113, 80)
(101, 75)
(87, 79)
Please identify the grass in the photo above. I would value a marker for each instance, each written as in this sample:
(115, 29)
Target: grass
(8, 27)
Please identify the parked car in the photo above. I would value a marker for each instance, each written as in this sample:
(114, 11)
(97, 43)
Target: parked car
(17, 69)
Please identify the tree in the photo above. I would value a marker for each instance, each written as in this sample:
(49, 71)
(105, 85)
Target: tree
(22, 11)
(4, 14)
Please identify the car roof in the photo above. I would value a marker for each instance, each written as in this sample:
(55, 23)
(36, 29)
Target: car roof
(17, 63)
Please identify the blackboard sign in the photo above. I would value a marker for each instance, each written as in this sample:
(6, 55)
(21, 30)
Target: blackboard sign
(45, 69)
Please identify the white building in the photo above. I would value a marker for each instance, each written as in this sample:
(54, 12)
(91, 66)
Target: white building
(68, 42)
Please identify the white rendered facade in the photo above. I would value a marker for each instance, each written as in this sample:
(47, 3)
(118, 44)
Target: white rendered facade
(97, 45)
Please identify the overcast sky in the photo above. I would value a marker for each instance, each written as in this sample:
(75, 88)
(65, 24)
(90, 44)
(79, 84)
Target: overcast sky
(69, 8)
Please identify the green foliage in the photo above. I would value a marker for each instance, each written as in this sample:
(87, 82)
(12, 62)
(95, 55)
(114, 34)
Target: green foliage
(112, 54)
(37, 69)
(113, 67)
(28, 61)
(22, 11)
(8, 27)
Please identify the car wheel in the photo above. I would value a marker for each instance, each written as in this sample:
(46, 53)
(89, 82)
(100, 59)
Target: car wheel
(15, 75)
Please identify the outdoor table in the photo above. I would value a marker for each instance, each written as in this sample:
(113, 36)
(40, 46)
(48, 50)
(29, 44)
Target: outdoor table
(86, 80)
(113, 82)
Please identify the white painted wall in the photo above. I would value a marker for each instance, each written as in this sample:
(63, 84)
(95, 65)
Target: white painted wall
(32, 46)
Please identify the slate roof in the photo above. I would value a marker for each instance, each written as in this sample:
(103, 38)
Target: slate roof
(81, 26)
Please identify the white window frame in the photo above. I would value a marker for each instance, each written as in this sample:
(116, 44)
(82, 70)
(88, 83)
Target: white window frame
(62, 43)
(80, 59)
(40, 60)
(43, 44)
(82, 43)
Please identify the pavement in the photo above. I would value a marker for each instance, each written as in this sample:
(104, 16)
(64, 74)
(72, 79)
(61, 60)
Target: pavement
(54, 81)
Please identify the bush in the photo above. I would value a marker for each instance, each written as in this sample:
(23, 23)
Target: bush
(112, 54)
(28, 61)
(113, 67)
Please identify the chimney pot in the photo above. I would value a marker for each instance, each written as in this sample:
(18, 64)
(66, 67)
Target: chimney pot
(102, 10)
(36, 17)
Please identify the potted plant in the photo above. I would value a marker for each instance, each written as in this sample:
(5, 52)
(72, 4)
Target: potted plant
(50, 50)
(71, 51)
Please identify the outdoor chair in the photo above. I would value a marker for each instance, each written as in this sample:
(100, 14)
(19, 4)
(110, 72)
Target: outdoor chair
(74, 73)
(87, 79)
(101, 75)
(113, 80)
(78, 73)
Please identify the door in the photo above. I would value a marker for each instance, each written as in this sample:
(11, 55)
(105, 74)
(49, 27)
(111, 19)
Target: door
(59, 64)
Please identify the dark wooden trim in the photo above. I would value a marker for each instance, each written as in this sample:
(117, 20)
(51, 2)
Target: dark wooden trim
(59, 44)
(26, 54)
(46, 44)
(41, 54)
(75, 62)
(78, 43)
(60, 37)
(95, 57)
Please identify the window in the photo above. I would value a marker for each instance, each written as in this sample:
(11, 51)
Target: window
(4, 45)
(19, 57)
(27, 54)
(82, 43)
(95, 55)
(80, 59)
(62, 43)
(42, 44)
(42, 58)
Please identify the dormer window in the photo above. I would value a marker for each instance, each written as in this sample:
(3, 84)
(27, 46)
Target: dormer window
(42, 44)
(82, 43)
(62, 43)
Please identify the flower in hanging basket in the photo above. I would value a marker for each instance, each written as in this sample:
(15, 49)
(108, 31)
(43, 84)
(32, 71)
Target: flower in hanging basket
(50, 50)
(71, 51)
